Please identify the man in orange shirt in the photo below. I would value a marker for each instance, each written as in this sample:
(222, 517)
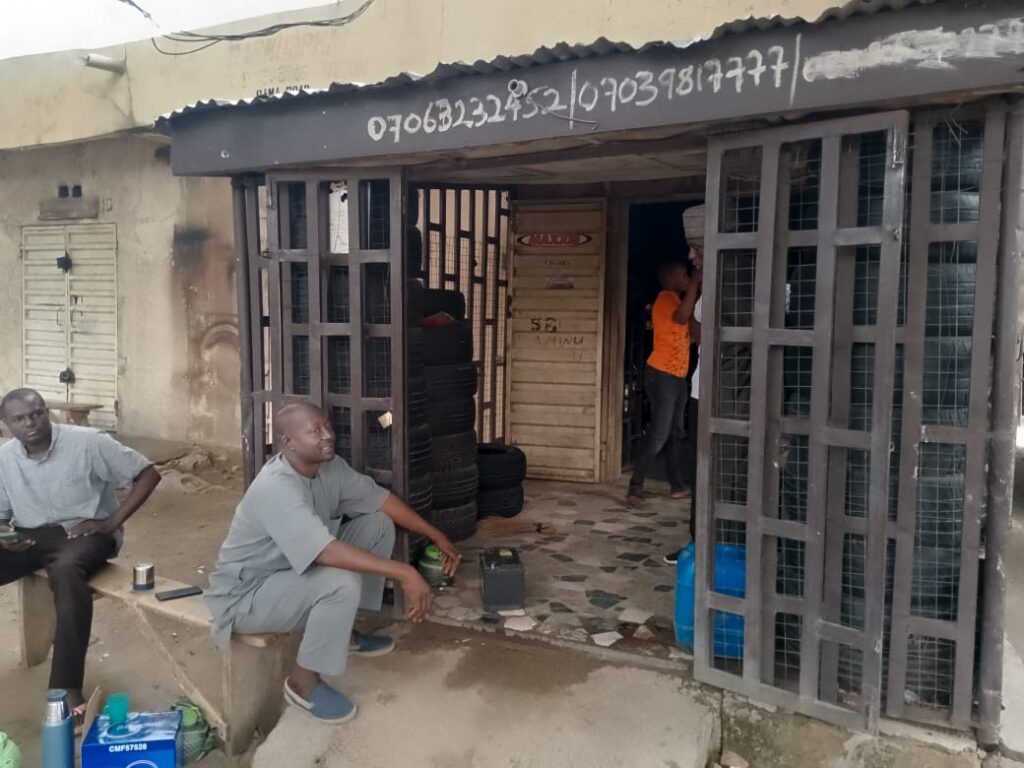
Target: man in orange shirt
(665, 377)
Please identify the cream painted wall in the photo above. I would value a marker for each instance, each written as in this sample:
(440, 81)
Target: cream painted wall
(52, 98)
(177, 333)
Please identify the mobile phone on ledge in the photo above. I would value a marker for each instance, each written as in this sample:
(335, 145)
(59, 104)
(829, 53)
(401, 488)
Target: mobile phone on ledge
(13, 537)
(174, 594)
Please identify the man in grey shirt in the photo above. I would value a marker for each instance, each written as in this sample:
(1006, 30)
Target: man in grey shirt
(57, 490)
(310, 544)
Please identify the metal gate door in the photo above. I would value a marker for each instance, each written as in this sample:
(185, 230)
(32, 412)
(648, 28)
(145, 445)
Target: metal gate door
(803, 237)
(323, 312)
(70, 320)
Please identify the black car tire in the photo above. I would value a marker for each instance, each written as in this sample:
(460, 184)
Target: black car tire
(500, 502)
(451, 382)
(457, 523)
(450, 417)
(455, 488)
(437, 300)
(448, 345)
(450, 453)
(501, 466)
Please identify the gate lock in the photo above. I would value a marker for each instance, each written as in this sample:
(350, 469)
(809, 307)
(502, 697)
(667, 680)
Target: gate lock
(64, 263)
(67, 376)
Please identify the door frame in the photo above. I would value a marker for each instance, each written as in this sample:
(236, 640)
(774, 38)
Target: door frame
(616, 278)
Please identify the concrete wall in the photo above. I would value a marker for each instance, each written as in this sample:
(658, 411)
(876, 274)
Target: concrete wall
(177, 332)
(52, 98)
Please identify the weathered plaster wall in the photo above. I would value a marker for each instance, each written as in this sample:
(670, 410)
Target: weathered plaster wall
(177, 334)
(52, 98)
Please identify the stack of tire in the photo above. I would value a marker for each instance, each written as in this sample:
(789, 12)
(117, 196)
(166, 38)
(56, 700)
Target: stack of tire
(421, 490)
(502, 470)
(451, 381)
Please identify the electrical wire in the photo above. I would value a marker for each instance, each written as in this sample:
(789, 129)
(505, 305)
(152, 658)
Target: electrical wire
(204, 41)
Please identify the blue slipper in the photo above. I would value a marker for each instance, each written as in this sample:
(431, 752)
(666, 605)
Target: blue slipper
(370, 645)
(326, 704)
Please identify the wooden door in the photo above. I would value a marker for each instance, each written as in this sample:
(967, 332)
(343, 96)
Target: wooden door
(555, 343)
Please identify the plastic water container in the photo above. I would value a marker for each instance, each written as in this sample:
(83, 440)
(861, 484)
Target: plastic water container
(730, 579)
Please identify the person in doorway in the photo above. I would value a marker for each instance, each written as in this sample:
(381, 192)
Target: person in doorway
(693, 225)
(665, 378)
(309, 545)
(60, 513)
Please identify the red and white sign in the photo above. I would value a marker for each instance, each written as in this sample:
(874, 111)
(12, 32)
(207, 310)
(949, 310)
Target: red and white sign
(554, 239)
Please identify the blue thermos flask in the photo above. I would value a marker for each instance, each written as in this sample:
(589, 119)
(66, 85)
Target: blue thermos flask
(58, 731)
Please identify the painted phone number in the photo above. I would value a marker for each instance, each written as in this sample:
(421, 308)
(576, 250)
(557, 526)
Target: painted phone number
(573, 104)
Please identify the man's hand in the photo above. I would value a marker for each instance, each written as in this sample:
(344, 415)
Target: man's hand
(89, 528)
(450, 557)
(417, 595)
(16, 545)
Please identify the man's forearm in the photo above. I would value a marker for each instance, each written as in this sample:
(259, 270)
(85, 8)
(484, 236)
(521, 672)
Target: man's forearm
(405, 517)
(339, 554)
(142, 487)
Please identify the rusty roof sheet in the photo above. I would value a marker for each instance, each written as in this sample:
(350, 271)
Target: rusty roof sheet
(558, 53)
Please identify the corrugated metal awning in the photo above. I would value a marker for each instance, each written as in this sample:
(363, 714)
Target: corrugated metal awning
(562, 52)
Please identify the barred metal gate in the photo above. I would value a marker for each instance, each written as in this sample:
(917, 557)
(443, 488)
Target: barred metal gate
(324, 300)
(844, 428)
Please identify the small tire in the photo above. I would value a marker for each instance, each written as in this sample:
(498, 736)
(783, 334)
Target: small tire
(501, 466)
(413, 303)
(500, 502)
(436, 300)
(457, 523)
(417, 396)
(450, 417)
(451, 453)
(451, 382)
(455, 488)
(448, 345)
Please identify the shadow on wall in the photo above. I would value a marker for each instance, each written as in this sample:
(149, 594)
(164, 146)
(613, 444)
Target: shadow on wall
(205, 266)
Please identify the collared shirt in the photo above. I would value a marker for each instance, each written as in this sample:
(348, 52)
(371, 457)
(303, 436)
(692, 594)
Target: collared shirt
(284, 521)
(72, 482)
(671, 353)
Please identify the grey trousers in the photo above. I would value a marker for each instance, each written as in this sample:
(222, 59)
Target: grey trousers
(323, 600)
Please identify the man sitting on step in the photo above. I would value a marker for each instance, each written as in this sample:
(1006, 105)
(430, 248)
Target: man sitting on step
(310, 544)
(57, 486)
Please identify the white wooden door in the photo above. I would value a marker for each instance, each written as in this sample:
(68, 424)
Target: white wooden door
(555, 344)
(45, 305)
(71, 315)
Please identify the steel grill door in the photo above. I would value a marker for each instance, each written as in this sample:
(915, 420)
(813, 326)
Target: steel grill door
(324, 308)
(804, 229)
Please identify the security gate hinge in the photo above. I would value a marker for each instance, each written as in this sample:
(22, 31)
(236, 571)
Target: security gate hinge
(898, 149)
(64, 262)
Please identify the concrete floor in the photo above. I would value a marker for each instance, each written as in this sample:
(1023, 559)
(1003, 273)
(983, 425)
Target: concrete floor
(448, 697)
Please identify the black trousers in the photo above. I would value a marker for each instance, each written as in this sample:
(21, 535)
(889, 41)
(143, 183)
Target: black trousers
(69, 563)
(690, 461)
(668, 395)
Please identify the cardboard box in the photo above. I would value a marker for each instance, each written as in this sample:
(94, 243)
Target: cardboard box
(146, 740)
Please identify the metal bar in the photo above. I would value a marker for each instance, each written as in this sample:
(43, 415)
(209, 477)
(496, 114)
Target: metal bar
(846, 438)
(850, 236)
(913, 371)
(356, 214)
(729, 426)
(831, 632)
(702, 623)
(881, 413)
(817, 464)
(738, 241)
(726, 511)
(975, 480)
(318, 248)
(442, 259)
(785, 529)
(1005, 415)
(728, 604)
(788, 337)
(457, 234)
(736, 335)
(243, 286)
(946, 630)
(485, 428)
(757, 617)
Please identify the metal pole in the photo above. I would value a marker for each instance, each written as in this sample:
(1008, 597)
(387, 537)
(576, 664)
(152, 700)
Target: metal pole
(238, 193)
(1005, 415)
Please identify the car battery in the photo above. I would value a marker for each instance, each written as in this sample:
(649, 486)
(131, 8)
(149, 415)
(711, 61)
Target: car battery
(503, 579)
(150, 739)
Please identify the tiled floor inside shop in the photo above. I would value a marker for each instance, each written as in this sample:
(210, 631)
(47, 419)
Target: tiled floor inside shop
(597, 578)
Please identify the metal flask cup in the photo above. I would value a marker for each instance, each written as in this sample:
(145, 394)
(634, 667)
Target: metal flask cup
(58, 737)
(143, 577)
